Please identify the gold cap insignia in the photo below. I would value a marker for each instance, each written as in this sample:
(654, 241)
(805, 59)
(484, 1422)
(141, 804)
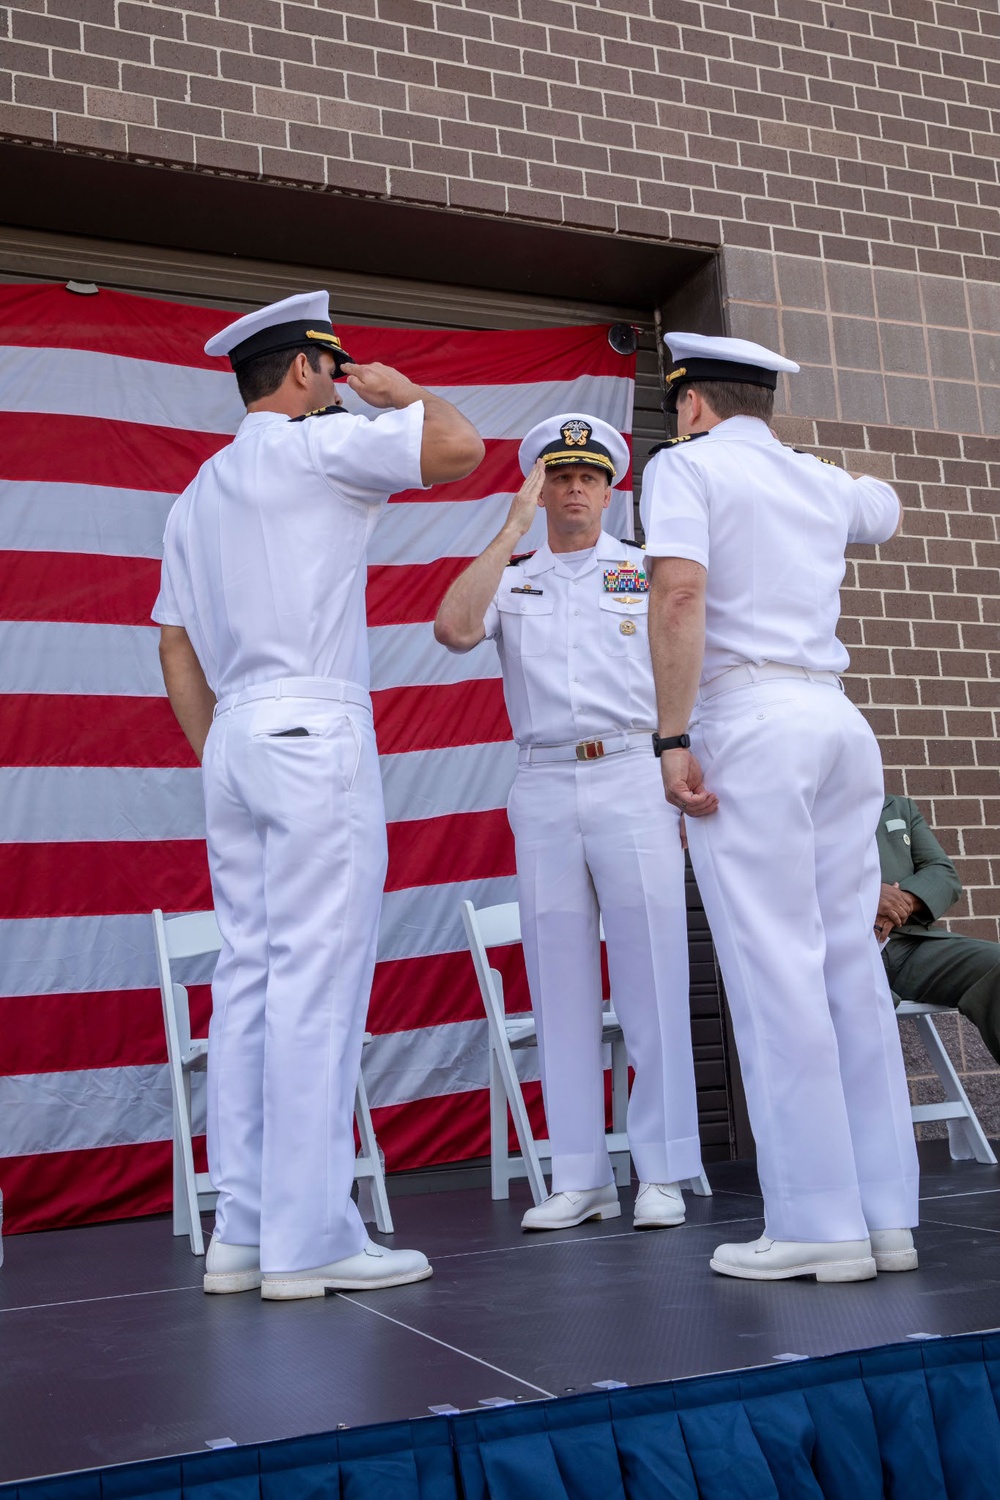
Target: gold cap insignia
(327, 338)
(576, 434)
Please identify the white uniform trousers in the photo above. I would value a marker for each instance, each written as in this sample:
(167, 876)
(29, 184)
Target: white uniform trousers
(596, 838)
(789, 874)
(297, 851)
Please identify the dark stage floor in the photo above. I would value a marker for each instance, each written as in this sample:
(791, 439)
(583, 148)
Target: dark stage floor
(110, 1352)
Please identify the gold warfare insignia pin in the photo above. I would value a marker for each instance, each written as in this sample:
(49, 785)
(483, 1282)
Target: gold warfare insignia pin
(576, 433)
(627, 627)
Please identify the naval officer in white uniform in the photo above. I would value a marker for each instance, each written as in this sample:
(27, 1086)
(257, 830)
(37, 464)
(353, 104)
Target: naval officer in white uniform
(592, 833)
(265, 658)
(782, 787)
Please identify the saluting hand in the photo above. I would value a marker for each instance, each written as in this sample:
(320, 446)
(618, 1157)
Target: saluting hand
(524, 506)
(381, 385)
(684, 786)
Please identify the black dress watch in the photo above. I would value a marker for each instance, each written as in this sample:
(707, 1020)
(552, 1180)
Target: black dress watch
(674, 742)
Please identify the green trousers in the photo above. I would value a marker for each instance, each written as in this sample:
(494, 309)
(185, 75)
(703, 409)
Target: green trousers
(953, 970)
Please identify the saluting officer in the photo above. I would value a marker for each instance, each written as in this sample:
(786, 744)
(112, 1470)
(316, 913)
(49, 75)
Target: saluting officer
(592, 833)
(782, 785)
(265, 659)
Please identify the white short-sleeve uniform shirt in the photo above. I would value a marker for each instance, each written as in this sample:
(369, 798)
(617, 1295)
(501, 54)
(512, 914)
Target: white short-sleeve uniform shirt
(571, 671)
(771, 526)
(264, 552)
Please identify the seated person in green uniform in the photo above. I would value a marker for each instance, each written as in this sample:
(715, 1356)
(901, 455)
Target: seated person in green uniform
(920, 883)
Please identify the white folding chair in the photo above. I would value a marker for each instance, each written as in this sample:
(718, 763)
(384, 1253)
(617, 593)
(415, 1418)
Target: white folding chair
(190, 936)
(500, 927)
(966, 1138)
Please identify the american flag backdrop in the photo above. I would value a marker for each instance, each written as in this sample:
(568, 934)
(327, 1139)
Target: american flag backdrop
(107, 407)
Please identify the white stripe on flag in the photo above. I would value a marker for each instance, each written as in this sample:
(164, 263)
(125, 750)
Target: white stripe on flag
(509, 411)
(59, 804)
(59, 955)
(409, 656)
(123, 660)
(45, 657)
(84, 383)
(99, 521)
(91, 1108)
(87, 518)
(437, 783)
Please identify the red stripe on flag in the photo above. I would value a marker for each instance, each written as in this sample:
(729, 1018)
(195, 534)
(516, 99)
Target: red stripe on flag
(58, 1188)
(439, 851)
(82, 729)
(43, 315)
(92, 450)
(95, 879)
(94, 1029)
(432, 718)
(410, 595)
(58, 449)
(412, 992)
(82, 587)
(451, 1128)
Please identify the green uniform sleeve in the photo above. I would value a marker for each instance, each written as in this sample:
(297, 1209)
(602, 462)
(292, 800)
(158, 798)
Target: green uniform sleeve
(934, 880)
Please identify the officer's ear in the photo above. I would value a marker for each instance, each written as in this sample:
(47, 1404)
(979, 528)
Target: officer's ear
(300, 371)
(607, 494)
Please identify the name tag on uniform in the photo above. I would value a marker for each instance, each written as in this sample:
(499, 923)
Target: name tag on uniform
(527, 589)
(893, 825)
(625, 579)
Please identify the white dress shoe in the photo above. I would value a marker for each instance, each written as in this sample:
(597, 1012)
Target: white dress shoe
(893, 1249)
(564, 1210)
(658, 1205)
(373, 1267)
(776, 1260)
(231, 1268)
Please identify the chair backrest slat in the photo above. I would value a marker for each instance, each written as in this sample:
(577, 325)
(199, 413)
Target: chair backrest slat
(191, 934)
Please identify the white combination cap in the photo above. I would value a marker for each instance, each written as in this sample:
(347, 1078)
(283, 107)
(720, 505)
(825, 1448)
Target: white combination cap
(699, 356)
(293, 323)
(575, 438)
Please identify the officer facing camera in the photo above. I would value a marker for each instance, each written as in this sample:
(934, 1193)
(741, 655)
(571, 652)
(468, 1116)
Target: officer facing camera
(593, 836)
(265, 658)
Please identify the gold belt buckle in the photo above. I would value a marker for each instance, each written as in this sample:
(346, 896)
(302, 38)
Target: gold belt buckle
(590, 750)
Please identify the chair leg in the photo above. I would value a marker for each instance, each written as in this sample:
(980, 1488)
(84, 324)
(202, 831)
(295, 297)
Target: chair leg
(967, 1129)
(369, 1150)
(511, 1085)
(499, 1153)
(699, 1186)
(619, 1108)
(182, 1125)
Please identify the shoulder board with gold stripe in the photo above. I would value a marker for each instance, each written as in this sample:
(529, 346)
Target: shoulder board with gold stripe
(628, 541)
(519, 557)
(321, 411)
(676, 442)
(831, 461)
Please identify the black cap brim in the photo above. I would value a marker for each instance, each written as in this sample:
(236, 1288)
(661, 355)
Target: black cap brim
(715, 369)
(304, 334)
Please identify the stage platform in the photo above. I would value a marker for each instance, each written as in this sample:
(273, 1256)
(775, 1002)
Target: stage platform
(111, 1352)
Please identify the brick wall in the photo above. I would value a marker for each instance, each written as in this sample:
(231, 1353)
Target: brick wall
(861, 132)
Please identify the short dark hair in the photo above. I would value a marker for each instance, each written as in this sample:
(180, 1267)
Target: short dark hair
(734, 398)
(262, 376)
